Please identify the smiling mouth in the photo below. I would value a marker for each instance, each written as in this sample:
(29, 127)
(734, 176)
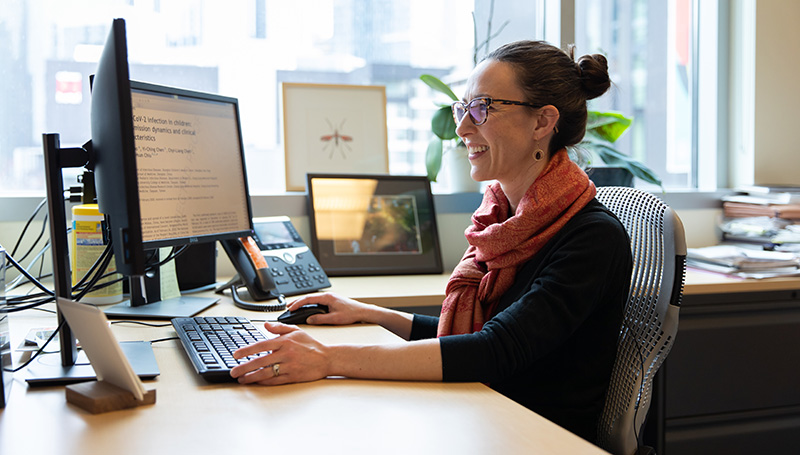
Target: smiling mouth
(474, 152)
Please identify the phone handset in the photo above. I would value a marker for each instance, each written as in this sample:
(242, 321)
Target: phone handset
(262, 280)
(258, 262)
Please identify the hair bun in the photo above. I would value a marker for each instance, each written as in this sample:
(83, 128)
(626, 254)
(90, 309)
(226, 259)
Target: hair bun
(593, 71)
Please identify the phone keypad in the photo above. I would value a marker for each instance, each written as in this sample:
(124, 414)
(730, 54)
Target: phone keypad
(302, 276)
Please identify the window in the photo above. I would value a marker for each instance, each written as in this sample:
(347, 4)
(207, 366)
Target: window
(652, 49)
(245, 49)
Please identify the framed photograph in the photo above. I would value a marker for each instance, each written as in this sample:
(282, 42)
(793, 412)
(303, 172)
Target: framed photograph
(335, 129)
(373, 224)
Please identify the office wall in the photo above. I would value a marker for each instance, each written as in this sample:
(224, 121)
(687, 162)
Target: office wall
(777, 92)
(699, 223)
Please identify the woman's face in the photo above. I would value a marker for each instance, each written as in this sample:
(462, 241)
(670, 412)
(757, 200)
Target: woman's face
(501, 148)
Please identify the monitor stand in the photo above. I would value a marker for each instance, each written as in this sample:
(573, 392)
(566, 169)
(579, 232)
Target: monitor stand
(178, 307)
(146, 301)
(47, 370)
(66, 367)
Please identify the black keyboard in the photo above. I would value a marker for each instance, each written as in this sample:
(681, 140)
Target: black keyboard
(210, 342)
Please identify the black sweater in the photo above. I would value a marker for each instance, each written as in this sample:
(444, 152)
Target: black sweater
(551, 343)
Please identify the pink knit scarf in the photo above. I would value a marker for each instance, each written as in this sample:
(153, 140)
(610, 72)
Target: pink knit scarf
(499, 244)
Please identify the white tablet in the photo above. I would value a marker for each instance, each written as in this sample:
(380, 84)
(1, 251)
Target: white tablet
(108, 361)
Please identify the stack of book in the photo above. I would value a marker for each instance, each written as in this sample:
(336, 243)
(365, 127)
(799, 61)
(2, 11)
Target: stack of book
(743, 261)
(762, 214)
(764, 200)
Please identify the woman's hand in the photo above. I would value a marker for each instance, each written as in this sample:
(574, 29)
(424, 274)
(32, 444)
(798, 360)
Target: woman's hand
(341, 310)
(300, 358)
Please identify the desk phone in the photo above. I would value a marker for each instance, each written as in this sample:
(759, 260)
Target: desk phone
(272, 263)
(291, 263)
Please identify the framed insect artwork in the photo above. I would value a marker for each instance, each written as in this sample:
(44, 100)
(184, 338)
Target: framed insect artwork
(334, 129)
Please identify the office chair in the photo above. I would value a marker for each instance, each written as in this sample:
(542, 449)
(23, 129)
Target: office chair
(650, 319)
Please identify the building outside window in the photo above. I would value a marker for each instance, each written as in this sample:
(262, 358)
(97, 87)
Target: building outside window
(48, 49)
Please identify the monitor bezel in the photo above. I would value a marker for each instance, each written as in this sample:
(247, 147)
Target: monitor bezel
(114, 156)
(202, 96)
(113, 150)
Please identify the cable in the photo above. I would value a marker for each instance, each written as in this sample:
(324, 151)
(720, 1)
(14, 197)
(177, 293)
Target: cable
(20, 280)
(36, 242)
(106, 284)
(87, 284)
(28, 306)
(28, 223)
(164, 339)
(21, 299)
(21, 302)
(94, 269)
(39, 351)
(93, 281)
(172, 255)
(100, 264)
(33, 280)
(148, 324)
(46, 310)
(253, 306)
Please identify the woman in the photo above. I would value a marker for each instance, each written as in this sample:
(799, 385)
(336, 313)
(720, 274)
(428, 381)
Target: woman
(535, 306)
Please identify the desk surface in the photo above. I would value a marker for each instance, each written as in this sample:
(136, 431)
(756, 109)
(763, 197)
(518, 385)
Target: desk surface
(419, 290)
(334, 415)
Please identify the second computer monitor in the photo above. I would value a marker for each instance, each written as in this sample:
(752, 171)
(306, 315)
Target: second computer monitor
(190, 166)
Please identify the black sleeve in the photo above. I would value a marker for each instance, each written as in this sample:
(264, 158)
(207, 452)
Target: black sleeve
(423, 327)
(579, 273)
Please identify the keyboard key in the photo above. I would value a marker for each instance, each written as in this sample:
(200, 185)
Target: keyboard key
(209, 342)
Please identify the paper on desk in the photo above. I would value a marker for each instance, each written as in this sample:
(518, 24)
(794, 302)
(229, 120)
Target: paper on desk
(36, 338)
(168, 276)
(743, 259)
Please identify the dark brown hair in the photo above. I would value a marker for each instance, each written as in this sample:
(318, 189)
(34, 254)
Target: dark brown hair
(549, 75)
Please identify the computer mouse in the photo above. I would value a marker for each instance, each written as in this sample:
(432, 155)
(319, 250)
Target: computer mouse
(300, 315)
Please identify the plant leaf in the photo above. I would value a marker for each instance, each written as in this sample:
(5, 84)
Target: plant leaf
(608, 126)
(443, 125)
(433, 158)
(613, 157)
(436, 84)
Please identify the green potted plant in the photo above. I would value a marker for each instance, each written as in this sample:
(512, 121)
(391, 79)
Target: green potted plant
(443, 126)
(602, 131)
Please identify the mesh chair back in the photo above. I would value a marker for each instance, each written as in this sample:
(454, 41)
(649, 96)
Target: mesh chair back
(650, 319)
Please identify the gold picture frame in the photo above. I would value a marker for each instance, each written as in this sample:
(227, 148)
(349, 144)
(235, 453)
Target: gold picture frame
(333, 128)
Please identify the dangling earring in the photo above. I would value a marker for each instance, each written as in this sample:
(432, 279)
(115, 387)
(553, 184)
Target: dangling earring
(538, 153)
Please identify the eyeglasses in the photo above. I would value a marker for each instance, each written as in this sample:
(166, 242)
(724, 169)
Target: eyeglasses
(478, 108)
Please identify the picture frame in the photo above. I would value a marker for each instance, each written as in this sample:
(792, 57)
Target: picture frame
(371, 224)
(333, 129)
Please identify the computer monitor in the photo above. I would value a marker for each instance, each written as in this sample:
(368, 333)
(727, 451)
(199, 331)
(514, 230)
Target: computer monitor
(169, 171)
(159, 187)
(190, 178)
(114, 151)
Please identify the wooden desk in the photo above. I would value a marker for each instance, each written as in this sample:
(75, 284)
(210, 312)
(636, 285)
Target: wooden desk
(729, 384)
(425, 290)
(334, 415)
(699, 282)
(395, 291)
